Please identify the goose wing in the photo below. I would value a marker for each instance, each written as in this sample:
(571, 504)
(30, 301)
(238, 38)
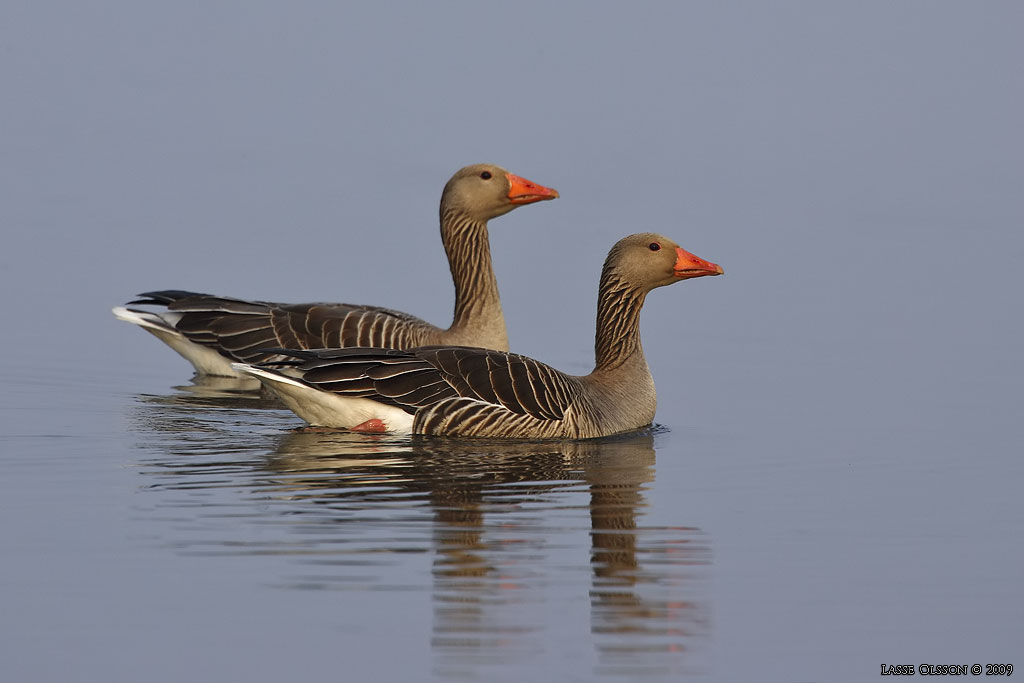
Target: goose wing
(500, 382)
(243, 330)
(519, 384)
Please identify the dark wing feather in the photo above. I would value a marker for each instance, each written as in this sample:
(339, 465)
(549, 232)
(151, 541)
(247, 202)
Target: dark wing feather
(164, 297)
(500, 372)
(474, 368)
(522, 388)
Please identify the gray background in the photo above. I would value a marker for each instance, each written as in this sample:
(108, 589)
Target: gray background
(855, 167)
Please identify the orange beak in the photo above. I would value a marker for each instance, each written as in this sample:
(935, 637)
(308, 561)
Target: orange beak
(523, 191)
(687, 266)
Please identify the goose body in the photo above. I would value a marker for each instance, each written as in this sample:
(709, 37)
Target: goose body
(474, 392)
(213, 332)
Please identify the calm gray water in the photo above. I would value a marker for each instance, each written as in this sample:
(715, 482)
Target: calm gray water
(834, 479)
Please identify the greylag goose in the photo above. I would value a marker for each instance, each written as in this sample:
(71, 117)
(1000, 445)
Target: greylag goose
(460, 391)
(211, 332)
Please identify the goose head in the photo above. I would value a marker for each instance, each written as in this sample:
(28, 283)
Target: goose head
(648, 260)
(485, 191)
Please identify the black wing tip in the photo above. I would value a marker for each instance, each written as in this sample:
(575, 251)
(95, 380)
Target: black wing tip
(163, 297)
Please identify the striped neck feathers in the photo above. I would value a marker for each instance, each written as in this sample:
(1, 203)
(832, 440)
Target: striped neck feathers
(477, 302)
(618, 322)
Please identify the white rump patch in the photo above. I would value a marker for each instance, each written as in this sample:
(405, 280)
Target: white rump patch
(325, 409)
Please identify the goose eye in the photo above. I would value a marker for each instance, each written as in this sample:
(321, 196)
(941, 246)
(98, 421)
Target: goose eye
(654, 246)
(486, 175)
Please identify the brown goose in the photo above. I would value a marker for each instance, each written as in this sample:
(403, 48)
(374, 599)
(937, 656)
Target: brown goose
(212, 331)
(460, 391)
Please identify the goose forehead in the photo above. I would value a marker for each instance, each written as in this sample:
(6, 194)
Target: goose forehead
(647, 238)
(477, 169)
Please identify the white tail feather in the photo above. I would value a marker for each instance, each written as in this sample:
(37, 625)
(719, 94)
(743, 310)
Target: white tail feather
(143, 319)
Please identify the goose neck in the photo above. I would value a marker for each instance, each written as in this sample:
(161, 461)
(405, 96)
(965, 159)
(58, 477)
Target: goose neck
(617, 341)
(466, 242)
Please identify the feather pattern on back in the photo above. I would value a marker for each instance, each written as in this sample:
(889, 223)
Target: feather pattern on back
(243, 330)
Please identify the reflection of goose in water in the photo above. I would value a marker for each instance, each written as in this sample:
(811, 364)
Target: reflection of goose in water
(491, 543)
(201, 417)
(222, 389)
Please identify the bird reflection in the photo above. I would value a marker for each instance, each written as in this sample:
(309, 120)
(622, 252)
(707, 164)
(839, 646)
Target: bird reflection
(625, 619)
(490, 548)
(505, 524)
(219, 392)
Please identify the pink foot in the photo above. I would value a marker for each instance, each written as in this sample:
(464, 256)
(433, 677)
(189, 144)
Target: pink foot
(373, 426)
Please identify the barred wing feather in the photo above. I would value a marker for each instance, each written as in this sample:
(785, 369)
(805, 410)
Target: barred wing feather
(519, 384)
